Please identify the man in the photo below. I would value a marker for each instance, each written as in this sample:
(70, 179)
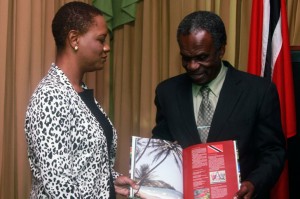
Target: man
(244, 107)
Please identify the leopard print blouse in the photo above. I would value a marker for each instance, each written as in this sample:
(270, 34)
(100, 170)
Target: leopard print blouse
(67, 148)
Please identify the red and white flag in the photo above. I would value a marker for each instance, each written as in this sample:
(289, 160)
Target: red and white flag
(269, 57)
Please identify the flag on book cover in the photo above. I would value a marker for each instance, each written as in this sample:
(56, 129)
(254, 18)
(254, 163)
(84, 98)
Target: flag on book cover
(216, 148)
(269, 56)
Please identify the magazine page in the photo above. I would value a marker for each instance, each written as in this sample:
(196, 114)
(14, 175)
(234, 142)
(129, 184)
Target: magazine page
(156, 165)
(211, 170)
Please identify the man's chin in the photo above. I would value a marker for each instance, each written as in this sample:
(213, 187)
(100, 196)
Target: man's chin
(199, 81)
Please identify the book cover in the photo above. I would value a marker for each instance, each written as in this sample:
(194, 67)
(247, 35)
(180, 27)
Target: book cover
(211, 170)
(166, 171)
(156, 165)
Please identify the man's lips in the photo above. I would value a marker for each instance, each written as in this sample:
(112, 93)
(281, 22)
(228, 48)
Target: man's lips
(197, 75)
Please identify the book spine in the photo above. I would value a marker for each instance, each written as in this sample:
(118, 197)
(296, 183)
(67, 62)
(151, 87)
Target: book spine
(238, 172)
(132, 162)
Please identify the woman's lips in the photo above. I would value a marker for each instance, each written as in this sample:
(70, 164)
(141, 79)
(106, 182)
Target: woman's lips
(104, 59)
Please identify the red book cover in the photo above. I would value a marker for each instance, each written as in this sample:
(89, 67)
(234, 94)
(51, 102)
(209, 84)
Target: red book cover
(211, 170)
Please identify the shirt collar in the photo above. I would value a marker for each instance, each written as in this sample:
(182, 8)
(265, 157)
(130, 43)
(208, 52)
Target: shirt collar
(215, 85)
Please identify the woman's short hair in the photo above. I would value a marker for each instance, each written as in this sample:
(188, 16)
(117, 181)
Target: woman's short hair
(75, 15)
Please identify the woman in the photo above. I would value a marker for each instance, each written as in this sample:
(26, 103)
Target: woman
(71, 141)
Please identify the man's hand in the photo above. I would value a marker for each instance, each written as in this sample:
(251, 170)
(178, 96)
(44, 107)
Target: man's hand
(246, 190)
(122, 184)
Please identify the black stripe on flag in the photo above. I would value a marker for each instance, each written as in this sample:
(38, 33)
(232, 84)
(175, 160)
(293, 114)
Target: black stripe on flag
(274, 18)
(215, 148)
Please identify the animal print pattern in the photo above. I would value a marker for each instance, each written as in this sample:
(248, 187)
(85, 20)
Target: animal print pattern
(67, 148)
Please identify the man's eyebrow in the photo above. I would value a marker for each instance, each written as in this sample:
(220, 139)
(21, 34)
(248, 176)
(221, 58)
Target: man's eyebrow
(199, 55)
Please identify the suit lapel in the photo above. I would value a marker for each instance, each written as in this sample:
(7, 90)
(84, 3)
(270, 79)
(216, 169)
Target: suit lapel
(186, 107)
(229, 96)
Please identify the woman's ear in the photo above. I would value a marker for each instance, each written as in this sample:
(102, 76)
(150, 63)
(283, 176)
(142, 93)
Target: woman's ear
(73, 39)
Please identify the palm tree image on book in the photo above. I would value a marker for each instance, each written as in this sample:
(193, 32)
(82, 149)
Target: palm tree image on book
(153, 168)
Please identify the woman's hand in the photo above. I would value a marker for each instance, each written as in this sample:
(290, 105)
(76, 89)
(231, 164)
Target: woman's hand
(122, 185)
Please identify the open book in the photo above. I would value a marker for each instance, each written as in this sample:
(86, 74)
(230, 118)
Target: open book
(166, 171)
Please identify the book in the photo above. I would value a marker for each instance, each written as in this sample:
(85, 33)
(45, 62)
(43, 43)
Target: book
(163, 170)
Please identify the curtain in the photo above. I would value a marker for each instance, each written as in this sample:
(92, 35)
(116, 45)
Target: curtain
(117, 12)
(293, 8)
(144, 51)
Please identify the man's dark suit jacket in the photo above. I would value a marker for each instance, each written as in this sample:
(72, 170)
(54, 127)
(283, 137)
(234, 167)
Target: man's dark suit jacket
(248, 111)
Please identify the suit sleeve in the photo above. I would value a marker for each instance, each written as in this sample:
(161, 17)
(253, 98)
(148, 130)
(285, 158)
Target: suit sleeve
(269, 141)
(161, 129)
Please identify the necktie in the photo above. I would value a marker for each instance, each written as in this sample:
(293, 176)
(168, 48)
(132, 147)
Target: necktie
(205, 114)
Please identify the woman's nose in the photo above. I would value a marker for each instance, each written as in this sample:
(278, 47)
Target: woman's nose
(106, 48)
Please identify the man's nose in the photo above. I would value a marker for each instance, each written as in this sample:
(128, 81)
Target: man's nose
(193, 64)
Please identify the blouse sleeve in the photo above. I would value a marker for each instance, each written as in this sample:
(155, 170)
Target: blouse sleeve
(47, 127)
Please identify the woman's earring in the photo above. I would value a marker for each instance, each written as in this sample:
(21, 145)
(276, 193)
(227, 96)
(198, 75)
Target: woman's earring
(76, 48)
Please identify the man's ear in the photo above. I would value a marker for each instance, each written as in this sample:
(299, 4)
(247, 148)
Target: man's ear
(222, 51)
(72, 39)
